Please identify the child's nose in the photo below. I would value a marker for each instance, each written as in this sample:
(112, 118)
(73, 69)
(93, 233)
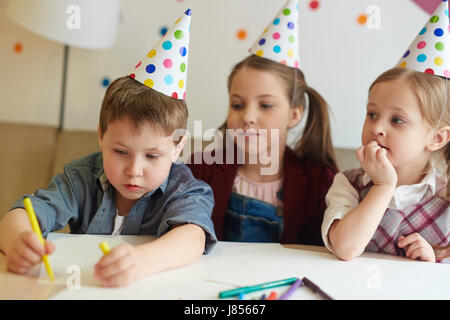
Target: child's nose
(250, 116)
(379, 129)
(134, 168)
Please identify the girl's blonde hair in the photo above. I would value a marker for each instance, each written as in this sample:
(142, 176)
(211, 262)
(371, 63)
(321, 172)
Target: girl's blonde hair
(315, 143)
(432, 93)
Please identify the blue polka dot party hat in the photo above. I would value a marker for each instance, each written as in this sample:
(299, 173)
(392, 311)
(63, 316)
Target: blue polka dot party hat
(430, 51)
(279, 41)
(164, 68)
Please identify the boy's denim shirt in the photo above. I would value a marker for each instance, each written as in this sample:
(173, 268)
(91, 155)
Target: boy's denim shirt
(83, 198)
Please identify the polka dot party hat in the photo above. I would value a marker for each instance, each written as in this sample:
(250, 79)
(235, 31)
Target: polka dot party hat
(164, 68)
(279, 41)
(430, 51)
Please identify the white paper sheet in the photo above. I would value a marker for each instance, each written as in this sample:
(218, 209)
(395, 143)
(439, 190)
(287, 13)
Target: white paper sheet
(77, 254)
(232, 264)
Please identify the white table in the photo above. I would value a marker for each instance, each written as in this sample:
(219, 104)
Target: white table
(230, 265)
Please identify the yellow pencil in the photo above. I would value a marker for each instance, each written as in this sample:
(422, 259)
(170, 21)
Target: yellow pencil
(105, 247)
(37, 230)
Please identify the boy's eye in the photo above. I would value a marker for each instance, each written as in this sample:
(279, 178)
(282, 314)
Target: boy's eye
(266, 106)
(398, 120)
(152, 156)
(120, 151)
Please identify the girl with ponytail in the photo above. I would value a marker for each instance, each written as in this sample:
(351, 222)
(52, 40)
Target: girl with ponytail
(281, 199)
(265, 191)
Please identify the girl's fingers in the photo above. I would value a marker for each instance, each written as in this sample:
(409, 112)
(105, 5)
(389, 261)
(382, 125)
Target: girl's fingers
(360, 154)
(382, 155)
(413, 247)
(371, 151)
(422, 253)
(405, 241)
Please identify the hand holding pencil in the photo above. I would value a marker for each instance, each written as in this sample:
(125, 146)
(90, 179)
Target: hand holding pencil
(27, 250)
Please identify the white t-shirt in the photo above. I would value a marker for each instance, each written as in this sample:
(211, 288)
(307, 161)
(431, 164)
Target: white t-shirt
(119, 223)
(342, 197)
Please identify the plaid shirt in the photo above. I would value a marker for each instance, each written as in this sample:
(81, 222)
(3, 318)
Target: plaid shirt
(430, 218)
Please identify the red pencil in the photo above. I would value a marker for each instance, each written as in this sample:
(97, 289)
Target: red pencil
(272, 296)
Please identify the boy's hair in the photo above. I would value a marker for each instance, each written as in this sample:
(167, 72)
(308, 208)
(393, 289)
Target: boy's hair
(315, 143)
(126, 97)
(431, 92)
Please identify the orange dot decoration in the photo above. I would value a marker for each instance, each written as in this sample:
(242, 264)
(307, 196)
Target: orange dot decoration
(241, 34)
(18, 47)
(362, 19)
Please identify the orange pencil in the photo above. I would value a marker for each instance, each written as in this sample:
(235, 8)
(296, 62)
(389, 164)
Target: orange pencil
(272, 296)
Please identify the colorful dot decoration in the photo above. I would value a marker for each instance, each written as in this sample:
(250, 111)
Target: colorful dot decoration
(164, 68)
(241, 34)
(430, 51)
(314, 5)
(279, 40)
(105, 82)
(163, 31)
(362, 19)
(18, 47)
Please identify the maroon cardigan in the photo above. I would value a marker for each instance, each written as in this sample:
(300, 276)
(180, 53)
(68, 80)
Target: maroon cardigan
(304, 188)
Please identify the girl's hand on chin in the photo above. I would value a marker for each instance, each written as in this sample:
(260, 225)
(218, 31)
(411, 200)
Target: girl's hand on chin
(374, 161)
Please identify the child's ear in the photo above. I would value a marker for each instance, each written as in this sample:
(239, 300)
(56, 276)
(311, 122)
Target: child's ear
(100, 138)
(296, 114)
(440, 139)
(178, 148)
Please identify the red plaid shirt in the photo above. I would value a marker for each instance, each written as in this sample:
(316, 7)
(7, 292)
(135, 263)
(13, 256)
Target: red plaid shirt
(430, 218)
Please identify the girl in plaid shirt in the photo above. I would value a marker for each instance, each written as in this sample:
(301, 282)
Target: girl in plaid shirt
(398, 202)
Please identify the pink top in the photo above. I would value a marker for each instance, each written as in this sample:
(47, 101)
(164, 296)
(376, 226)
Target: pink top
(264, 191)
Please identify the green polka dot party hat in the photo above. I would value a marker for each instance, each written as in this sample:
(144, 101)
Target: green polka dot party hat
(279, 41)
(164, 68)
(430, 51)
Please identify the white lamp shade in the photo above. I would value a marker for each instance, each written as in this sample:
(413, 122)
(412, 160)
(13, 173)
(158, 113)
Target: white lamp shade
(89, 24)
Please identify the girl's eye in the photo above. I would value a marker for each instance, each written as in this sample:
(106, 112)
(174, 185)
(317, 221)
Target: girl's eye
(371, 115)
(152, 156)
(120, 152)
(398, 120)
(236, 106)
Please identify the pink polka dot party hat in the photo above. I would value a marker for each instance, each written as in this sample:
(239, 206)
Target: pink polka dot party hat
(164, 68)
(279, 41)
(430, 51)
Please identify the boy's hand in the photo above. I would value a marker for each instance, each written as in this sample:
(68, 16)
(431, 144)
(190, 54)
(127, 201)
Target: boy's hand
(417, 247)
(375, 163)
(26, 251)
(122, 266)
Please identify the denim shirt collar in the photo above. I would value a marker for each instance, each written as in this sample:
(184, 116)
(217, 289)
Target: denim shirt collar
(107, 211)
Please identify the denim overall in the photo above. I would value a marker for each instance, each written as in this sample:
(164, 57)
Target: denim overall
(252, 220)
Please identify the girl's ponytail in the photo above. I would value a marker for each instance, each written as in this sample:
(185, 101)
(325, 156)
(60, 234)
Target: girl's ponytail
(315, 143)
